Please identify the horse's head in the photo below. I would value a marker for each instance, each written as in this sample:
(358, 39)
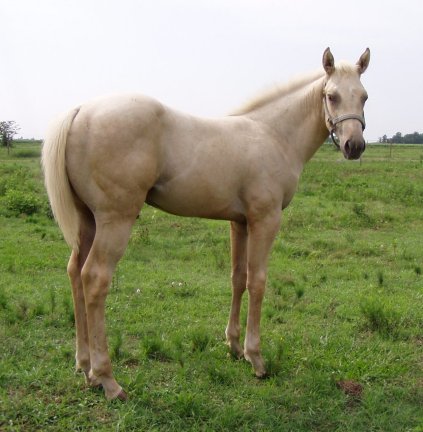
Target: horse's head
(343, 99)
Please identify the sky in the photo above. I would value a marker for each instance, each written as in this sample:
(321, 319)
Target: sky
(203, 57)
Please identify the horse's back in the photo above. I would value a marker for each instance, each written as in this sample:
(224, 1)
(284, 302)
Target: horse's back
(116, 114)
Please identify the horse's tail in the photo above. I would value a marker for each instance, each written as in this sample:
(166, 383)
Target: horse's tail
(57, 181)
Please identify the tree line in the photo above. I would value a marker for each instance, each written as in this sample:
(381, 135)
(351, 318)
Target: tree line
(399, 138)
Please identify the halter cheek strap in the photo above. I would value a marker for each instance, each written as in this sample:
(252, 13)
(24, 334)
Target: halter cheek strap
(333, 121)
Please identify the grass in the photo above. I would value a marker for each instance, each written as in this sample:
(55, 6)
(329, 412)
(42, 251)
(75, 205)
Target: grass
(342, 310)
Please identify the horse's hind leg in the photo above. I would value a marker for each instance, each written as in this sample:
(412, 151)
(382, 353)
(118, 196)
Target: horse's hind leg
(76, 262)
(239, 284)
(111, 238)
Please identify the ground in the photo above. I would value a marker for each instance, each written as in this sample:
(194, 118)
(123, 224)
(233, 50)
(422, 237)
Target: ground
(342, 318)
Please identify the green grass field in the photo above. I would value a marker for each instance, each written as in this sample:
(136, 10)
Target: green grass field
(342, 328)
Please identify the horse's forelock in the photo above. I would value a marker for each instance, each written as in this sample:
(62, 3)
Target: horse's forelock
(345, 68)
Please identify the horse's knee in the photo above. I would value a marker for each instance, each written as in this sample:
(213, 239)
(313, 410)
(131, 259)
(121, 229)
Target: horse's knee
(256, 283)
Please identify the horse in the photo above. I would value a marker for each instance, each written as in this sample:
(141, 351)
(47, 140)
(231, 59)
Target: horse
(104, 159)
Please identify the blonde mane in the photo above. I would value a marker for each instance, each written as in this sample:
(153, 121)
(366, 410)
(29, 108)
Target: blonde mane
(277, 92)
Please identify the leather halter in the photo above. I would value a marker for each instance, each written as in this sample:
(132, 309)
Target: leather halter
(333, 121)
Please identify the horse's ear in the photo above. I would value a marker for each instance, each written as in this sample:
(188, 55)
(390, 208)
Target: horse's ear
(328, 61)
(363, 61)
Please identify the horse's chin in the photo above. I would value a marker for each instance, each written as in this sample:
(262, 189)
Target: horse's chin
(352, 156)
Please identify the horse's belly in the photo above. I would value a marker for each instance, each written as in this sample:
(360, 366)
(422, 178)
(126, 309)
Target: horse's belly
(196, 203)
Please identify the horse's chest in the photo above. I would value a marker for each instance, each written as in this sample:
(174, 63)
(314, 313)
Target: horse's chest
(289, 188)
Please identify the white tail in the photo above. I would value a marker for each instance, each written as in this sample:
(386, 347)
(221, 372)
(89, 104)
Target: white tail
(57, 181)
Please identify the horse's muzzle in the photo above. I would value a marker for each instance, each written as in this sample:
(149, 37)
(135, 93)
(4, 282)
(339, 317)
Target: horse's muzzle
(353, 148)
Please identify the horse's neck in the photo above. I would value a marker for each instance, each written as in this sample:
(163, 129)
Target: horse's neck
(297, 120)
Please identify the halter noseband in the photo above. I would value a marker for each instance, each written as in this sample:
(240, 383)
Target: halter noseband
(333, 121)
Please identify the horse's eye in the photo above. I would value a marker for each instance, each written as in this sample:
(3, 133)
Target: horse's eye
(333, 98)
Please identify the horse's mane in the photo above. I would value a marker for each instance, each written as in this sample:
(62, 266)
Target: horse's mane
(277, 92)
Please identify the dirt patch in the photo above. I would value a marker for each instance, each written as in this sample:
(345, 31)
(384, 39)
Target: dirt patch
(351, 388)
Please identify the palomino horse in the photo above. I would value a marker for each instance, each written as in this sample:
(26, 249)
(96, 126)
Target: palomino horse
(104, 159)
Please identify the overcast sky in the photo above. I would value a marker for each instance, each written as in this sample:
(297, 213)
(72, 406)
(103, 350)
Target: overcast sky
(203, 57)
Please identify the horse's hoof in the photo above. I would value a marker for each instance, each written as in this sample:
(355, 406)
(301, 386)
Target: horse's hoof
(258, 365)
(262, 375)
(235, 350)
(119, 394)
(235, 356)
(122, 396)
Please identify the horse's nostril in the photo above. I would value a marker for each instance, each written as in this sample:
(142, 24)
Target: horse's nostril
(347, 147)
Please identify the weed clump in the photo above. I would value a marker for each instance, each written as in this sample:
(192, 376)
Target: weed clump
(52, 299)
(380, 278)
(117, 346)
(200, 340)
(189, 405)
(381, 318)
(19, 202)
(281, 282)
(154, 349)
(359, 211)
(23, 309)
(3, 301)
(27, 154)
(274, 359)
(38, 311)
(299, 292)
(141, 234)
(67, 306)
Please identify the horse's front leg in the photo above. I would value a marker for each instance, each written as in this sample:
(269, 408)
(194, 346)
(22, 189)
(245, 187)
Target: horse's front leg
(260, 239)
(239, 284)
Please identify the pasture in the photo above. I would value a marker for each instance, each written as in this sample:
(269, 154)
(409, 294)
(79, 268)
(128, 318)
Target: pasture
(342, 326)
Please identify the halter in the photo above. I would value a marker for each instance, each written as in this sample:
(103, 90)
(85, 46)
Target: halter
(333, 121)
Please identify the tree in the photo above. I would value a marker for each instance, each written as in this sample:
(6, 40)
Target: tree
(397, 138)
(8, 129)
